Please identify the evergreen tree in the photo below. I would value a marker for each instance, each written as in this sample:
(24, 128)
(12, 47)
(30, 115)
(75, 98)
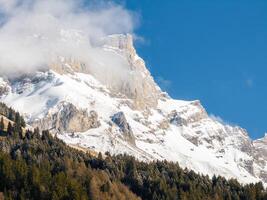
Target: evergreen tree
(2, 126)
(10, 129)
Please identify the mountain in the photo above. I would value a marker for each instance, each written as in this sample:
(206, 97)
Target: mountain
(40, 166)
(114, 105)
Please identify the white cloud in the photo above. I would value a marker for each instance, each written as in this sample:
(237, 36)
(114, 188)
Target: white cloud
(31, 33)
(164, 83)
(249, 82)
(8, 5)
(217, 118)
(222, 121)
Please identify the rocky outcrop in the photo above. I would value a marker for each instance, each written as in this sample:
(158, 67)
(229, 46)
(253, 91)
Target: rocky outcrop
(68, 119)
(164, 125)
(261, 155)
(23, 85)
(120, 120)
(68, 65)
(199, 114)
(139, 86)
(261, 147)
(142, 87)
(176, 119)
(4, 87)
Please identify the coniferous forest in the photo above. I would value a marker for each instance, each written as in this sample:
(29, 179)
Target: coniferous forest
(36, 165)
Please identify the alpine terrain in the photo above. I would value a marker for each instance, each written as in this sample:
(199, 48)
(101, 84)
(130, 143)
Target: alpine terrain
(94, 108)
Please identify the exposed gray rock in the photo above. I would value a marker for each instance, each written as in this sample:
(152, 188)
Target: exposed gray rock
(120, 120)
(69, 119)
(261, 144)
(23, 85)
(263, 175)
(164, 124)
(4, 87)
(248, 165)
(140, 86)
(3, 90)
(197, 116)
(174, 118)
(261, 155)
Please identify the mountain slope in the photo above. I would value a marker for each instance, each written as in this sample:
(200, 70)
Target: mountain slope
(124, 111)
(40, 166)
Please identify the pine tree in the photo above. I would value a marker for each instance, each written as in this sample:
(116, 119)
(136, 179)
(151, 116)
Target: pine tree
(94, 192)
(9, 129)
(99, 156)
(11, 114)
(2, 125)
(22, 122)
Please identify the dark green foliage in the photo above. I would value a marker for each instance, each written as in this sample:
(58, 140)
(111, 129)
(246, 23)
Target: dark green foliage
(2, 127)
(37, 166)
(10, 129)
(12, 115)
(34, 166)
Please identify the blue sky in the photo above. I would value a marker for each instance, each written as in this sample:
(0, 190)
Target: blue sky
(215, 51)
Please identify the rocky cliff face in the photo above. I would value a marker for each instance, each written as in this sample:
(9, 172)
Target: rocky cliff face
(133, 117)
(4, 87)
(120, 120)
(140, 86)
(68, 118)
(261, 157)
(261, 148)
(143, 90)
(63, 65)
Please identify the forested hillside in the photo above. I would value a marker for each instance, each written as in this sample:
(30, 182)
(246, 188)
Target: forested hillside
(37, 165)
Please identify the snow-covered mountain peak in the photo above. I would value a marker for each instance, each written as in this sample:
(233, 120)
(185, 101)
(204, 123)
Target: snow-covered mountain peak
(110, 102)
(118, 41)
(114, 62)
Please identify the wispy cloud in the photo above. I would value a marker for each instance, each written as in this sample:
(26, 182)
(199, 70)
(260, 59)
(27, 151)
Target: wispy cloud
(221, 120)
(164, 83)
(31, 32)
(249, 82)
